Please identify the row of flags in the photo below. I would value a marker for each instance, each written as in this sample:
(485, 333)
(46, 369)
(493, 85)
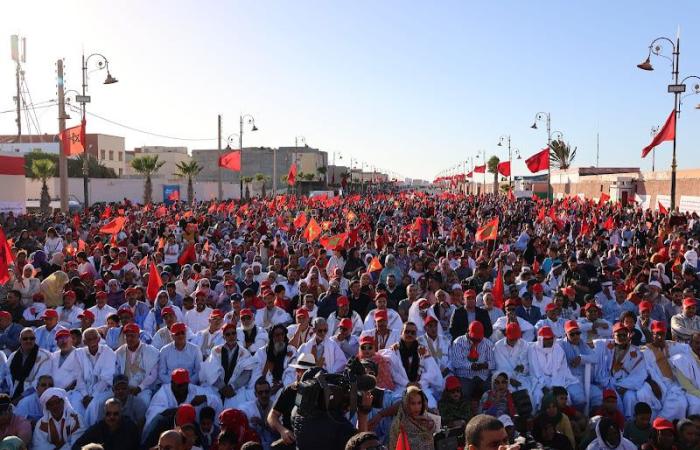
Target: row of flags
(232, 161)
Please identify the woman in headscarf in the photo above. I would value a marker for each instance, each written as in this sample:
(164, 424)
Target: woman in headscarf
(550, 412)
(53, 243)
(609, 437)
(60, 425)
(52, 288)
(498, 400)
(413, 420)
(39, 262)
(28, 285)
(154, 320)
(115, 294)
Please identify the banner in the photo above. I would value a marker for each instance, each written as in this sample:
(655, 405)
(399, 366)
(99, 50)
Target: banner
(171, 193)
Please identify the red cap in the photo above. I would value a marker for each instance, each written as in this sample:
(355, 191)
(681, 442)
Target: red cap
(178, 327)
(379, 295)
(5, 315)
(469, 293)
(216, 314)
(197, 293)
(569, 291)
(658, 326)
(100, 284)
(100, 294)
(180, 376)
(342, 301)
(70, 294)
(609, 393)
(689, 301)
(645, 305)
(429, 319)
(551, 307)
(229, 283)
(233, 420)
(661, 424)
(267, 292)
(513, 331)
(588, 306)
(476, 330)
(87, 313)
(124, 309)
(302, 312)
(367, 339)
(228, 326)
(571, 325)
(546, 332)
(511, 302)
(167, 310)
(131, 328)
(246, 312)
(381, 314)
(49, 314)
(131, 290)
(452, 382)
(62, 334)
(537, 288)
(619, 327)
(423, 303)
(185, 414)
(346, 323)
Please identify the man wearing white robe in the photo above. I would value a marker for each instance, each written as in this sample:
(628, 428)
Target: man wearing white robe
(211, 336)
(419, 311)
(228, 371)
(436, 343)
(393, 317)
(271, 315)
(548, 368)
(327, 352)
(384, 337)
(101, 310)
(499, 327)
(672, 403)
(139, 362)
(579, 355)
(65, 367)
(97, 367)
(250, 335)
(343, 312)
(197, 319)
(511, 356)
(41, 366)
(592, 326)
(552, 320)
(687, 371)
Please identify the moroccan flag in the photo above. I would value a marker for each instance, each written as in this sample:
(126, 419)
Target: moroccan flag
(480, 169)
(231, 161)
(115, 226)
(498, 289)
(333, 242)
(470, 174)
(73, 140)
(662, 209)
(511, 196)
(666, 133)
(402, 441)
(187, 256)
(154, 282)
(76, 222)
(504, 168)
(540, 215)
(5, 258)
(538, 161)
(350, 216)
(143, 262)
(107, 213)
(300, 220)
(585, 228)
(603, 198)
(292, 175)
(374, 265)
(313, 230)
(489, 231)
(161, 211)
(536, 266)
(609, 223)
(326, 225)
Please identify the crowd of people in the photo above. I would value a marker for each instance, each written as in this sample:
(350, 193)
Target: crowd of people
(573, 324)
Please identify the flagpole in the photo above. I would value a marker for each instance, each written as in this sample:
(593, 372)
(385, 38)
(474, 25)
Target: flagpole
(62, 160)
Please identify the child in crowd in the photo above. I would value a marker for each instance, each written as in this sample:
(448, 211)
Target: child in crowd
(609, 409)
(638, 430)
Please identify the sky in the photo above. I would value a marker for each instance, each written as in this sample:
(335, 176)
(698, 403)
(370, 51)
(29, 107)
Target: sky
(406, 86)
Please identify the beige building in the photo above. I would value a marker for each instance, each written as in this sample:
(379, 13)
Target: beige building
(172, 156)
(109, 151)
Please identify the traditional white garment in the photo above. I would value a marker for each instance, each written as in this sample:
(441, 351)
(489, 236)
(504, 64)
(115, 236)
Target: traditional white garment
(688, 367)
(197, 320)
(430, 378)
(96, 373)
(415, 316)
(149, 323)
(288, 374)
(499, 329)
(68, 318)
(439, 348)
(673, 403)
(395, 322)
(333, 322)
(42, 366)
(548, 368)
(64, 374)
(586, 327)
(600, 444)
(557, 327)
(333, 356)
(266, 318)
(140, 366)
(260, 341)
(52, 434)
(508, 358)
(206, 341)
(211, 376)
(101, 314)
(382, 342)
(165, 399)
(305, 336)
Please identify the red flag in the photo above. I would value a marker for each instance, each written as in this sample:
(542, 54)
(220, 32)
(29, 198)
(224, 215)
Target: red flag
(72, 139)
(540, 215)
(470, 174)
(609, 223)
(300, 220)
(666, 133)
(5, 258)
(76, 222)
(374, 265)
(662, 209)
(480, 169)
(313, 230)
(498, 289)
(174, 196)
(489, 231)
(333, 242)
(143, 262)
(511, 196)
(161, 211)
(231, 161)
(187, 256)
(538, 161)
(212, 208)
(603, 198)
(535, 198)
(81, 245)
(504, 168)
(585, 228)
(154, 282)
(115, 226)
(292, 175)
(402, 441)
(107, 213)
(536, 266)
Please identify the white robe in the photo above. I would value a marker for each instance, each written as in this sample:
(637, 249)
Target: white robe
(211, 376)
(414, 316)
(279, 316)
(557, 327)
(499, 329)
(441, 347)
(289, 373)
(165, 399)
(260, 341)
(508, 358)
(73, 428)
(206, 341)
(149, 323)
(64, 374)
(146, 376)
(42, 366)
(430, 378)
(689, 367)
(548, 368)
(673, 403)
(393, 338)
(395, 322)
(333, 322)
(101, 314)
(197, 321)
(586, 326)
(333, 356)
(94, 378)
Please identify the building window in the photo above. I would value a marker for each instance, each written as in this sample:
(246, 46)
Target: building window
(102, 154)
(121, 155)
(111, 155)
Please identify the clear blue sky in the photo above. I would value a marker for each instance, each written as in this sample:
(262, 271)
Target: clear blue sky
(410, 86)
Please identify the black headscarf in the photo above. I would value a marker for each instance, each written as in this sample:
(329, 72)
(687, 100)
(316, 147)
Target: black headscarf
(410, 367)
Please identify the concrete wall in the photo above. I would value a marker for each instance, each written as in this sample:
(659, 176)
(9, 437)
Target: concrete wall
(13, 195)
(28, 147)
(172, 156)
(109, 150)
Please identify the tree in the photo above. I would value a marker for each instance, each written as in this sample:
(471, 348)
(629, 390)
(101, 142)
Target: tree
(43, 169)
(262, 178)
(561, 155)
(308, 176)
(75, 165)
(492, 164)
(147, 165)
(188, 170)
(321, 172)
(247, 181)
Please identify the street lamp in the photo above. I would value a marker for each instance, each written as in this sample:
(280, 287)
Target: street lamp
(102, 63)
(298, 139)
(250, 120)
(547, 118)
(506, 138)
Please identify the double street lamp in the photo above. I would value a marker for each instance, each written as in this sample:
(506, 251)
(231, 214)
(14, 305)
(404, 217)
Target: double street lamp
(547, 118)
(501, 140)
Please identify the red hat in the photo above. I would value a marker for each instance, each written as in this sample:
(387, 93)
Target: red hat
(571, 325)
(511, 302)
(86, 313)
(537, 288)
(476, 330)
(229, 283)
(185, 414)
(367, 339)
(619, 327)
(5, 315)
(381, 314)
(233, 420)
(100, 294)
(452, 382)
(658, 326)
(267, 292)
(216, 314)
(513, 331)
(588, 306)
(70, 294)
(60, 334)
(131, 290)
(197, 293)
(379, 295)
(429, 319)
(346, 323)
(124, 309)
(246, 312)
(546, 332)
(551, 307)
(167, 310)
(689, 301)
(645, 305)
(49, 314)
(100, 284)
(342, 301)
(228, 326)
(469, 293)
(661, 424)
(609, 393)
(568, 291)
(302, 312)
(178, 327)
(423, 303)
(180, 376)
(131, 328)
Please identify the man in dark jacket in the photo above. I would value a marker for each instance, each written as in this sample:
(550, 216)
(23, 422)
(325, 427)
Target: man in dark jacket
(464, 315)
(112, 432)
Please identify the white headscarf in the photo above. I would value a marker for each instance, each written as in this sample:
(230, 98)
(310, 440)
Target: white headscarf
(601, 444)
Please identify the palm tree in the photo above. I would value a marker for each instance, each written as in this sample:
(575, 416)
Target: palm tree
(321, 172)
(43, 169)
(561, 154)
(492, 164)
(309, 176)
(247, 181)
(147, 165)
(262, 178)
(188, 170)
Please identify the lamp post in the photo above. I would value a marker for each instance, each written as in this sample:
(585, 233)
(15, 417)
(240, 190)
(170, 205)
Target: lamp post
(547, 118)
(677, 88)
(510, 156)
(244, 118)
(102, 63)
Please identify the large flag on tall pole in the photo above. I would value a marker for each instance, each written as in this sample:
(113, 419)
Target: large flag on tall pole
(231, 161)
(666, 133)
(539, 161)
(292, 174)
(73, 140)
(504, 168)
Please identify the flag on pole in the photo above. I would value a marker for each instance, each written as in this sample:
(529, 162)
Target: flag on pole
(154, 282)
(231, 161)
(666, 133)
(73, 140)
(480, 169)
(603, 198)
(489, 231)
(114, 226)
(504, 168)
(662, 209)
(292, 175)
(312, 231)
(539, 161)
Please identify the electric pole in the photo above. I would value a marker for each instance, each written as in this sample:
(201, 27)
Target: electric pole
(19, 55)
(221, 189)
(62, 160)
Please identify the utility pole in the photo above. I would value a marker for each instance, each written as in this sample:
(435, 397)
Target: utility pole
(274, 172)
(240, 147)
(221, 189)
(62, 160)
(597, 149)
(19, 55)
